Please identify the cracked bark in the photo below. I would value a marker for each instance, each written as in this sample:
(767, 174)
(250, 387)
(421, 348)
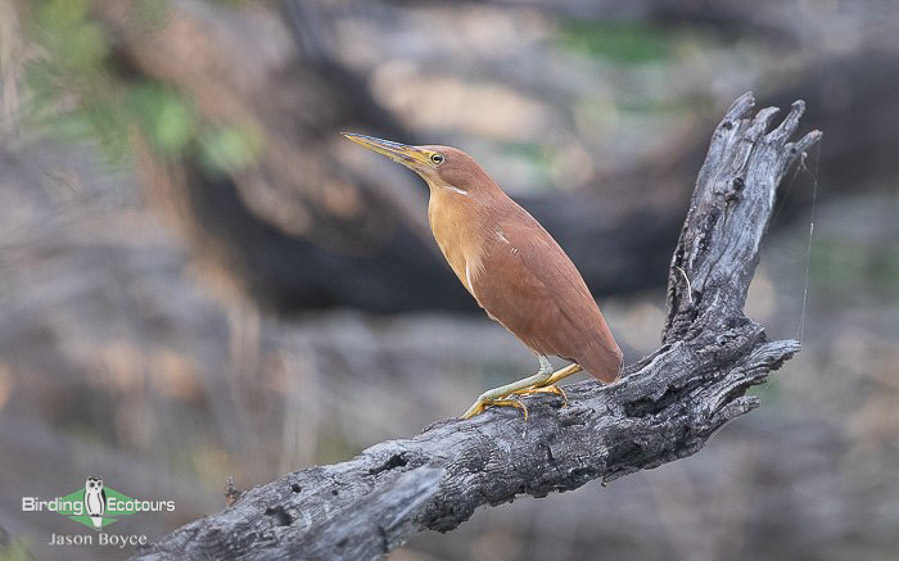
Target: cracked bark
(665, 408)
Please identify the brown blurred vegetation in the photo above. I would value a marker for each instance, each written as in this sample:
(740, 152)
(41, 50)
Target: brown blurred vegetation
(194, 267)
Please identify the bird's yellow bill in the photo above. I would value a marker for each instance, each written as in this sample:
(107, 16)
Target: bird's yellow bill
(401, 153)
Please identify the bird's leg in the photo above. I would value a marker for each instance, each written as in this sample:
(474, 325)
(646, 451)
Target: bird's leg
(501, 395)
(549, 385)
(561, 374)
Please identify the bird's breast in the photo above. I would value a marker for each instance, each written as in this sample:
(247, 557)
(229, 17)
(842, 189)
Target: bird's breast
(458, 228)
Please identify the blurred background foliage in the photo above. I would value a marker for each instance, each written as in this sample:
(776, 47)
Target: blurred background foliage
(74, 94)
(200, 279)
(621, 43)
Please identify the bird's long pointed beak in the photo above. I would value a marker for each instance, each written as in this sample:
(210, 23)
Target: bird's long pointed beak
(410, 156)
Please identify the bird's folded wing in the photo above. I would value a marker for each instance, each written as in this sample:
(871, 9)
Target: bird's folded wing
(531, 287)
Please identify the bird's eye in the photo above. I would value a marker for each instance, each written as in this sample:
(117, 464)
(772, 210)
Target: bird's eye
(436, 158)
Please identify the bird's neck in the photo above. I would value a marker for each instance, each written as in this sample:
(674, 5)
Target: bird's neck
(460, 222)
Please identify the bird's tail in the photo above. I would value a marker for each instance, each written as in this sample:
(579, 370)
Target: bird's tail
(98, 521)
(603, 362)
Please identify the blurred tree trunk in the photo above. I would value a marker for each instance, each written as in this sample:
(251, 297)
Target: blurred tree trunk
(291, 230)
(296, 230)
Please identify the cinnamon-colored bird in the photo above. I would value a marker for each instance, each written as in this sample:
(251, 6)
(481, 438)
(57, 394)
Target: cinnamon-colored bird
(512, 266)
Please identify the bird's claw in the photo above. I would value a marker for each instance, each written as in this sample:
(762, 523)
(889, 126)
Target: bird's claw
(552, 388)
(483, 403)
(513, 400)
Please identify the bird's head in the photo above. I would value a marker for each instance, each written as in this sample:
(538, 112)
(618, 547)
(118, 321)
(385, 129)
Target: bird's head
(442, 167)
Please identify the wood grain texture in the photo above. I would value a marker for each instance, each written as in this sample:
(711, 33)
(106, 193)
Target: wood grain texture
(665, 408)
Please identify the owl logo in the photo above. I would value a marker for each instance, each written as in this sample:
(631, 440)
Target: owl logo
(95, 500)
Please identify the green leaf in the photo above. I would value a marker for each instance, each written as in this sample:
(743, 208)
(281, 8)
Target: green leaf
(60, 14)
(627, 43)
(165, 118)
(230, 148)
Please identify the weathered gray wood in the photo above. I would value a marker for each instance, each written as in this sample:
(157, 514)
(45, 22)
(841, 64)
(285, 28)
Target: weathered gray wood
(665, 408)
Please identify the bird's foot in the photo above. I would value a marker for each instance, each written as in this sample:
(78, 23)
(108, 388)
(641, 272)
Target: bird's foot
(550, 388)
(484, 402)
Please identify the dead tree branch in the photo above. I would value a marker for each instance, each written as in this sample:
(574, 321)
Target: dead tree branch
(665, 408)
